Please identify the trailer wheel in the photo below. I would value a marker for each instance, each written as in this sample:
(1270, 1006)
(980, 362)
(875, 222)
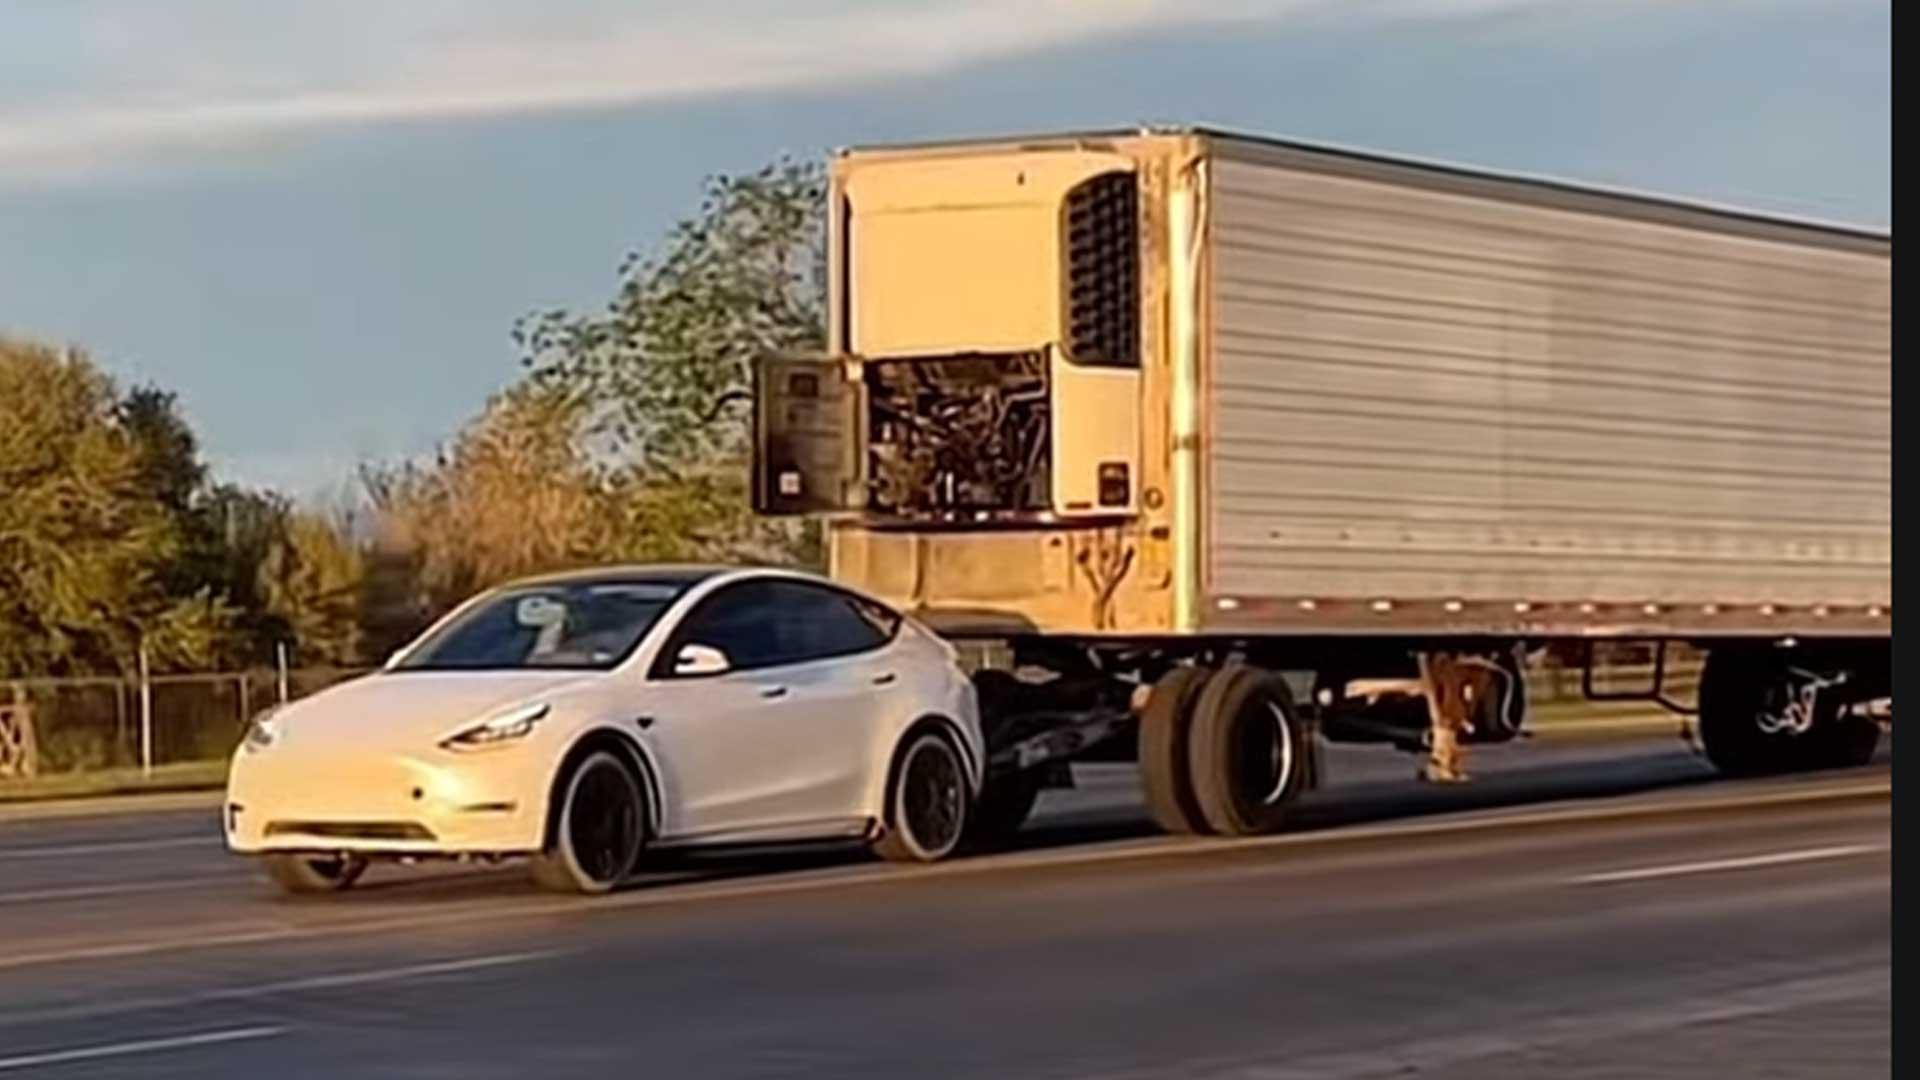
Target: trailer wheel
(1165, 728)
(1851, 740)
(1760, 715)
(1249, 752)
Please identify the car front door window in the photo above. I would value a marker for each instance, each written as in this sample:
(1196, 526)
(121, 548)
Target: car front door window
(740, 621)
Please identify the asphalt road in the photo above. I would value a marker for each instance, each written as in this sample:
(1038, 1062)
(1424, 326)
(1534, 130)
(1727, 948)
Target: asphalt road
(1580, 911)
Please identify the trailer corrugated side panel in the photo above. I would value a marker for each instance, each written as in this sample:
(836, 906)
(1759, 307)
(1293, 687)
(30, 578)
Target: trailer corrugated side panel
(1464, 405)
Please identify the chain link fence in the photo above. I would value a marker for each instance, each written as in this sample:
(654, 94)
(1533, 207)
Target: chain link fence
(81, 725)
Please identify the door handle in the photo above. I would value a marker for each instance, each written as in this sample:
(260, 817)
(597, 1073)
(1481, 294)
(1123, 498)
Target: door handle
(773, 692)
(887, 679)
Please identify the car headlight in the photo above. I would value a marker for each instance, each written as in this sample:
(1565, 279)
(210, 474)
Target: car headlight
(506, 727)
(262, 731)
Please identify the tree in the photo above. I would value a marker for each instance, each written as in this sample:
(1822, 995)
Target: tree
(164, 445)
(224, 534)
(666, 368)
(627, 439)
(230, 533)
(86, 540)
(515, 493)
(309, 583)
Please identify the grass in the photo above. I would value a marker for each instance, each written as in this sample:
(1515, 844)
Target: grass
(180, 776)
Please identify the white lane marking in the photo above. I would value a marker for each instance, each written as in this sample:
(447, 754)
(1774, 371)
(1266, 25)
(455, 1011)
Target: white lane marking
(1713, 866)
(842, 877)
(90, 892)
(285, 986)
(67, 850)
(142, 1046)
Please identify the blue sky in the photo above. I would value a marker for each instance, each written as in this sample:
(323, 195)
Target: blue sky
(318, 220)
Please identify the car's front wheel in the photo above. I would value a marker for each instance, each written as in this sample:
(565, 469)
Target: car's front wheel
(927, 803)
(601, 827)
(307, 874)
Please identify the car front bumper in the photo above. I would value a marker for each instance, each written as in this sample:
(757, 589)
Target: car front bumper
(383, 804)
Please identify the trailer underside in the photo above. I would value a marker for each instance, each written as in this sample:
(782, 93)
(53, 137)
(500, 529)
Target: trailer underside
(1226, 732)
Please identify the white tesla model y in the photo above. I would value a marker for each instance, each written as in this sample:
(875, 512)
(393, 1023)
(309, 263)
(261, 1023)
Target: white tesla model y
(584, 718)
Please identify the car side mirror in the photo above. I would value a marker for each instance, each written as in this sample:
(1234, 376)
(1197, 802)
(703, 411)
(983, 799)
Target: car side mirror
(701, 660)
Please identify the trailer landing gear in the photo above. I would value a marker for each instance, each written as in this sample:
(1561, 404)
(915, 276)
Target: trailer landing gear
(1455, 687)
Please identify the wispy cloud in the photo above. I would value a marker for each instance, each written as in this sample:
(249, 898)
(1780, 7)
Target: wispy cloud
(89, 85)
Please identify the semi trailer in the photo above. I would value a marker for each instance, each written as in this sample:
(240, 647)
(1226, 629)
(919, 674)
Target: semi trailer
(1207, 443)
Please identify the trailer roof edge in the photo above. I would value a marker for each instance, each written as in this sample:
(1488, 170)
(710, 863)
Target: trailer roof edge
(1445, 174)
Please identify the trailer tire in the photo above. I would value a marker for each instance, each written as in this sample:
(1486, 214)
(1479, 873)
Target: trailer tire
(1249, 751)
(1747, 731)
(1166, 779)
(1850, 741)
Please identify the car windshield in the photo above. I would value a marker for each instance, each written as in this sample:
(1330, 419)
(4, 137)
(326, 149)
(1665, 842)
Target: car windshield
(583, 624)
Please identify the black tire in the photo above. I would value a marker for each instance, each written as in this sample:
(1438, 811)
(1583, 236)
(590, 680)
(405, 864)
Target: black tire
(1850, 741)
(1742, 702)
(1249, 752)
(304, 875)
(1733, 689)
(1003, 807)
(1166, 780)
(600, 830)
(928, 800)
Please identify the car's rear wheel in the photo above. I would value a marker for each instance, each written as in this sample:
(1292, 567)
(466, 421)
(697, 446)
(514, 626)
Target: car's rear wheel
(928, 803)
(309, 874)
(601, 828)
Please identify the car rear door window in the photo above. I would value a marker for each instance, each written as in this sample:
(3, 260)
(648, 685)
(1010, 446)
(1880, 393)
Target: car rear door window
(816, 623)
(763, 624)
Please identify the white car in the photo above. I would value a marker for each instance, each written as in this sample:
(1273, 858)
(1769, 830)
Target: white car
(582, 718)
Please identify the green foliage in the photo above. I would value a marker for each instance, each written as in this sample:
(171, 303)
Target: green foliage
(164, 446)
(85, 542)
(309, 583)
(669, 360)
(666, 368)
(111, 537)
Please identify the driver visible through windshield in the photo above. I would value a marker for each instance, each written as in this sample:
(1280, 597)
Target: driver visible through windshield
(575, 624)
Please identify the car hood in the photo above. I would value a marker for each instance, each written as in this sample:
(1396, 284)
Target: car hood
(414, 708)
